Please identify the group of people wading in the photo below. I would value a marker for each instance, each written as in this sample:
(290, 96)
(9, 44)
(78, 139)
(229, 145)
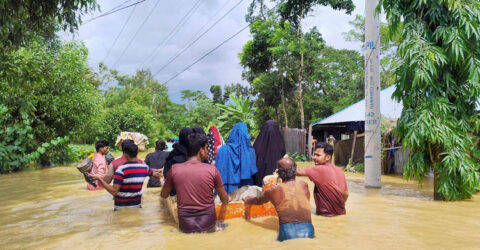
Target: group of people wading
(201, 166)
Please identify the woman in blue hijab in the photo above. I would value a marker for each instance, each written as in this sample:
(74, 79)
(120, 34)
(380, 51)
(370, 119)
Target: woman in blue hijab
(236, 160)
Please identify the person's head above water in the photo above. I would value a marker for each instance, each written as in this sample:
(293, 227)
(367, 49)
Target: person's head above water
(160, 145)
(125, 142)
(102, 147)
(183, 136)
(286, 169)
(323, 153)
(130, 150)
(197, 146)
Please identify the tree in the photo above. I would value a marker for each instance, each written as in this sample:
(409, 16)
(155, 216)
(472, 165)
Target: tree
(294, 11)
(239, 111)
(438, 82)
(216, 91)
(237, 89)
(22, 20)
(49, 90)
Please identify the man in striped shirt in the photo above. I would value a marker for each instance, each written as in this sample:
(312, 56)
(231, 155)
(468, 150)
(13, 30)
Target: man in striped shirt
(128, 180)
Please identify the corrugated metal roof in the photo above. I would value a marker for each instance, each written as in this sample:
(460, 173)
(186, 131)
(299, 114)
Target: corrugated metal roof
(389, 108)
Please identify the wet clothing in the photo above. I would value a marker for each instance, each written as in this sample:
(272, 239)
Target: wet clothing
(155, 160)
(296, 230)
(197, 220)
(330, 184)
(236, 160)
(194, 182)
(99, 167)
(130, 176)
(269, 148)
(179, 153)
(120, 161)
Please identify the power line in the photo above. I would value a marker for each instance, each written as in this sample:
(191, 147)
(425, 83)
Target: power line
(117, 10)
(198, 38)
(208, 53)
(136, 33)
(121, 31)
(180, 23)
(211, 51)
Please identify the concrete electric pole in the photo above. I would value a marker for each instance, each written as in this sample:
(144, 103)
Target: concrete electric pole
(373, 169)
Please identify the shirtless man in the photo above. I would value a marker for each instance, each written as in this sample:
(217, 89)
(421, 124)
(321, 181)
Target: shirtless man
(291, 200)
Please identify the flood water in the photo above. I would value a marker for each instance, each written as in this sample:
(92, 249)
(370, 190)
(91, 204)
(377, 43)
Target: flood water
(50, 208)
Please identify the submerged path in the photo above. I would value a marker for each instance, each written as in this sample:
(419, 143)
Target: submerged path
(50, 208)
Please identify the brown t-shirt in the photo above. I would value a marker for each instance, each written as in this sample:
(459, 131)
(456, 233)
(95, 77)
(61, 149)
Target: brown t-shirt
(194, 182)
(292, 202)
(330, 184)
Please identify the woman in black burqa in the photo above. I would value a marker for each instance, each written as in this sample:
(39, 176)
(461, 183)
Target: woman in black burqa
(269, 148)
(179, 153)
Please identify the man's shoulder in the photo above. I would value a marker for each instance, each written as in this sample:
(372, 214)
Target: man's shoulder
(132, 165)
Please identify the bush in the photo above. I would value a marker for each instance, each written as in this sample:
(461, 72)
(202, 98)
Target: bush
(127, 117)
(298, 158)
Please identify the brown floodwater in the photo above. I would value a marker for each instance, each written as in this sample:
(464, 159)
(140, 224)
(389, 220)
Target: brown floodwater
(50, 208)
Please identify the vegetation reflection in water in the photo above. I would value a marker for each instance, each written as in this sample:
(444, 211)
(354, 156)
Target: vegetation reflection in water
(50, 208)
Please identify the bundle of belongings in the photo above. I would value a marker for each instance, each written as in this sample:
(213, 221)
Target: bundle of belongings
(85, 167)
(140, 139)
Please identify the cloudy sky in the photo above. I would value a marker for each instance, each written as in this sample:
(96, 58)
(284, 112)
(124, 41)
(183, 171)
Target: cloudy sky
(153, 48)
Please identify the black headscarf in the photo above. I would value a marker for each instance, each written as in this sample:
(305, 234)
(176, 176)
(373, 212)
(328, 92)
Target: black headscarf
(198, 130)
(269, 148)
(179, 153)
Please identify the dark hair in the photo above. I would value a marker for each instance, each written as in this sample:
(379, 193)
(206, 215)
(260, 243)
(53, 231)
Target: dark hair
(198, 130)
(327, 148)
(126, 142)
(160, 145)
(195, 143)
(287, 173)
(100, 144)
(131, 149)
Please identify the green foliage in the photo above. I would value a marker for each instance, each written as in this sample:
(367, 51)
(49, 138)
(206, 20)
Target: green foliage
(216, 91)
(78, 152)
(129, 116)
(359, 168)
(240, 110)
(50, 89)
(298, 157)
(20, 20)
(438, 82)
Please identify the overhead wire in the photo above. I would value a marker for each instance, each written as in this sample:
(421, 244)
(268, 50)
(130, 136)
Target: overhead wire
(216, 47)
(136, 33)
(175, 28)
(198, 38)
(117, 10)
(120, 33)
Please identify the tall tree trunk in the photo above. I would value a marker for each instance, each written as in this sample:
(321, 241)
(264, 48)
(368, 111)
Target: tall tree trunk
(300, 72)
(277, 115)
(284, 110)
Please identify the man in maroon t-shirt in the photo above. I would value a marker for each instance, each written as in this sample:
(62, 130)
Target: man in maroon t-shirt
(331, 191)
(194, 182)
(118, 162)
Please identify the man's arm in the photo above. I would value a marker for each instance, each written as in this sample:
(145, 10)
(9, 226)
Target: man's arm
(345, 195)
(263, 198)
(109, 176)
(223, 195)
(113, 190)
(301, 172)
(167, 186)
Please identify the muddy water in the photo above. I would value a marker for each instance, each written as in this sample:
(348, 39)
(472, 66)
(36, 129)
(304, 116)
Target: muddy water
(50, 208)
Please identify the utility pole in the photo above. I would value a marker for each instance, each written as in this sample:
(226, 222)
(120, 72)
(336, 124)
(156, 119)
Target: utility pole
(373, 169)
